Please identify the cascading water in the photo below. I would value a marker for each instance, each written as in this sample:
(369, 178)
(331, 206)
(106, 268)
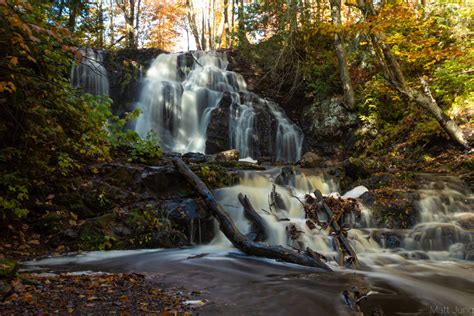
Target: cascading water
(177, 101)
(90, 75)
(411, 279)
(289, 137)
(443, 231)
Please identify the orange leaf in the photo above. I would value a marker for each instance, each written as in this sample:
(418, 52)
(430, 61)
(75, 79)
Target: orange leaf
(14, 60)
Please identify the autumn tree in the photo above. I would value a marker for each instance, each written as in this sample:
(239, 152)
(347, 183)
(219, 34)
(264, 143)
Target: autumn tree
(419, 93)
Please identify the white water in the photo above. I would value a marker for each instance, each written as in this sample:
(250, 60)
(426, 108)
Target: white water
(90, 75)
(432, 238)
(177, 102)
(411, 281)
(289, 138)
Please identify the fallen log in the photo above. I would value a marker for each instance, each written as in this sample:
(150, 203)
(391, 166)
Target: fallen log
(258, 226)
(241, 242)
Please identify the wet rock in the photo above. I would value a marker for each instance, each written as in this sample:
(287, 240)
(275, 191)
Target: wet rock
(469, 251)
(167, 239)
(165, 182)
(190, 217)
(228, 155)
(368, 198)
(195, 158)
(457, 251)
(329, 127)
(310, 160)
(217, 133)
(392, 240)
(286, 175)
(414, 255)
(122, 230)
(466, 221)
(71, 233)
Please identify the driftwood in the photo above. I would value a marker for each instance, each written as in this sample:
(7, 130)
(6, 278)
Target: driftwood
(258, 226)
(340, 236)
(319, 204)
(240, 241)
(276, 204)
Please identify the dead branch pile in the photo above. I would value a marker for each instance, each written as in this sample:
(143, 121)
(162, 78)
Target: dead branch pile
(330, 213)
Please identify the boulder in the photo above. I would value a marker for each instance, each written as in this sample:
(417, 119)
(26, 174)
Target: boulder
(457, 251)
(310, 160)
(195, 158)
(392, 240)
(469, 256)
(466, 221)
(228, 155)
(286, 175)
(329, 127)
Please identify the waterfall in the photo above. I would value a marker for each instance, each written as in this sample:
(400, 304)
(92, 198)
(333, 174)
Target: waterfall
(90, 75)
(178, 98)
(289, 137)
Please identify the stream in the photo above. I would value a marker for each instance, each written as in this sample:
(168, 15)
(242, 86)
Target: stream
(424, 275)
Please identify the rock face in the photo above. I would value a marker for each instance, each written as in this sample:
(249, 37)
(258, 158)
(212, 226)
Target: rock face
(262, 141)
(218, 128)
(131, 206)
(126, 69)
(329, 127)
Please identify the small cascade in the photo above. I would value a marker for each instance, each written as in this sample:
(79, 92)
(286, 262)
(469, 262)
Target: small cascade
(289, 137)
(242, 129)
(90, 75)
(446, 217)
(443, 230)
(180, 94)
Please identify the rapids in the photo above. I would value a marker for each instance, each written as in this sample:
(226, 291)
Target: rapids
(423, 276)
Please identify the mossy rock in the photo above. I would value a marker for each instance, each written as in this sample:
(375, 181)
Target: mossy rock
(8, 268)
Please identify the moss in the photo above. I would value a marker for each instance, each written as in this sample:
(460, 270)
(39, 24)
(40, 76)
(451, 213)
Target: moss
(8, 268)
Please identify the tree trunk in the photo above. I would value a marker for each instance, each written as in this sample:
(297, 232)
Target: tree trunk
(129, 19)
(100, 22)
(203, 31)
(226, 22)
(111, 23)
(137, 23)
(241, 242)
(74, 8)
(339, 45)
(192, 24)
